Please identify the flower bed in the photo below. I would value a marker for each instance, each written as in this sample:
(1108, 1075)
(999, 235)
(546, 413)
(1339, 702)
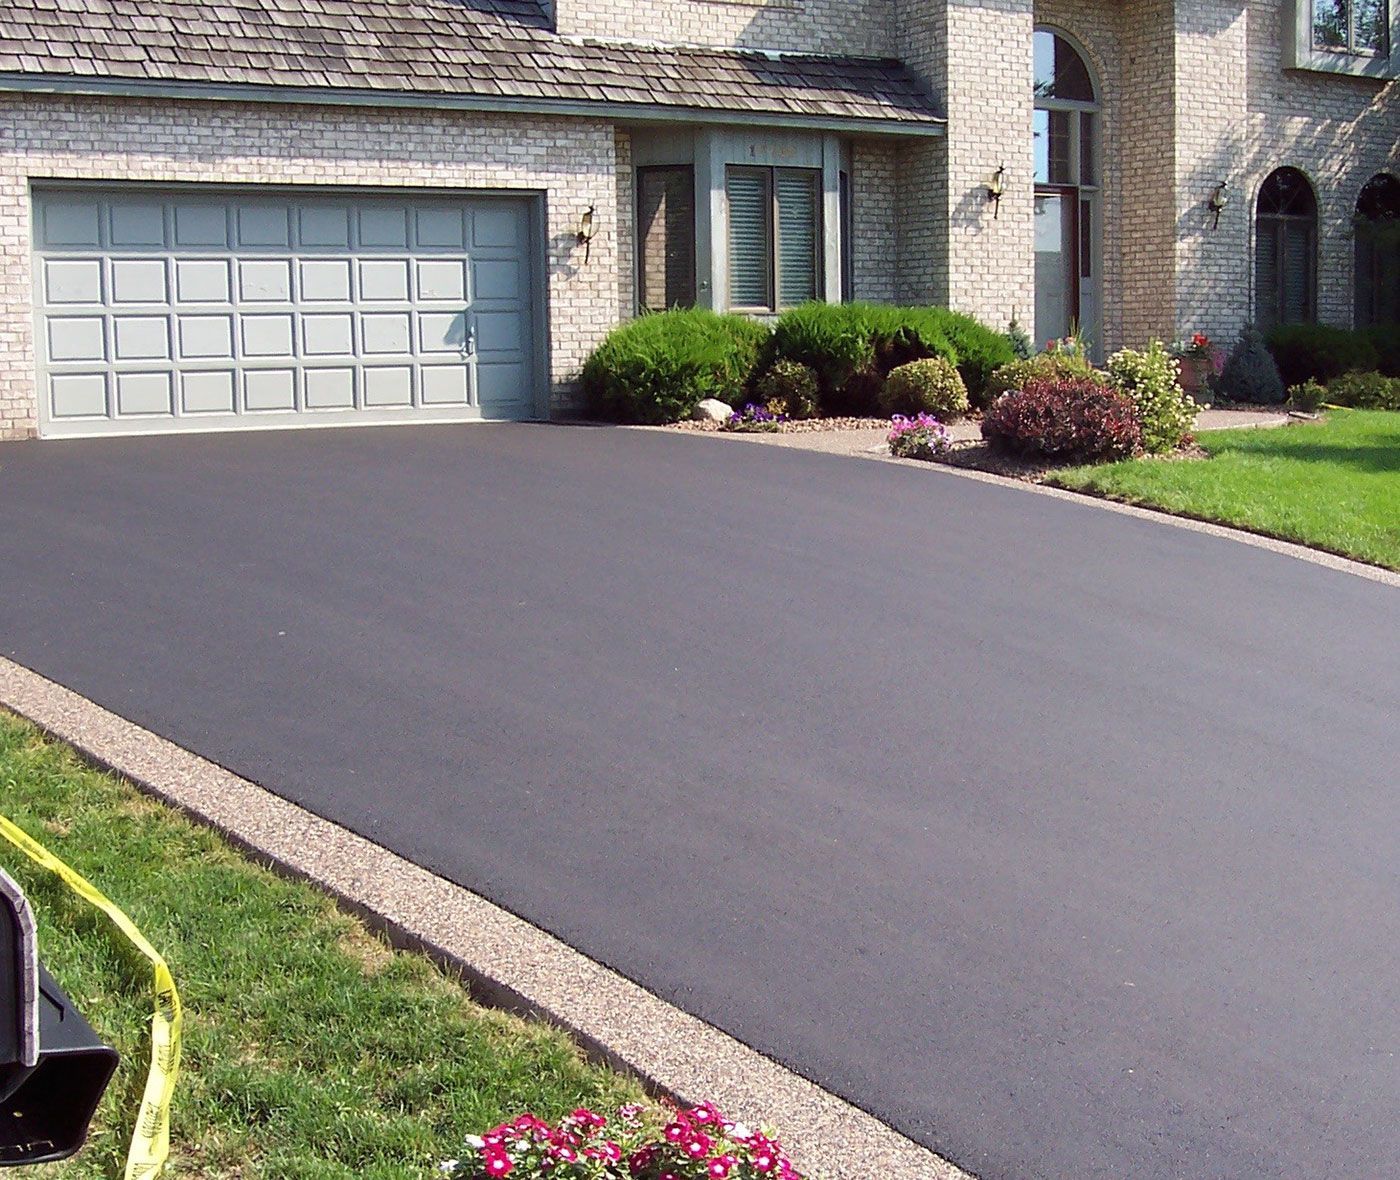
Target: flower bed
(636, 1143)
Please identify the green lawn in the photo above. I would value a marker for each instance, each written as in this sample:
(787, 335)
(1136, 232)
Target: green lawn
(312, 1050)
(1334, 485)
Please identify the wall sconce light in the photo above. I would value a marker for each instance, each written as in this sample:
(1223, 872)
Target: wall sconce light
(1219, 199)
(996, 186)
(587, 231)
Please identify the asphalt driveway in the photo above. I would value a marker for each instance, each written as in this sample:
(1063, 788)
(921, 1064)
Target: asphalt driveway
(1066, 842)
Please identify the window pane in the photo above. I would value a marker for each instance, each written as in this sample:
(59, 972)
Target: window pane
(1370, 17)
(1059, 70)
(1088, 165)
(1052, 147)
(797, 236)
(1330, 24)
(750, 239)
(666, 232)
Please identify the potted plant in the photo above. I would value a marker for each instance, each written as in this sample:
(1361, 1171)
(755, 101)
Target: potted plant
(1201, 363)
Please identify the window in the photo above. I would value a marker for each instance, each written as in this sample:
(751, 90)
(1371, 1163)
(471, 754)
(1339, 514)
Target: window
(666, 237)
(1350, 26)
(775, 237)
(1378, 252)
(1285, 250)
(1065, 161)
(1342, 36)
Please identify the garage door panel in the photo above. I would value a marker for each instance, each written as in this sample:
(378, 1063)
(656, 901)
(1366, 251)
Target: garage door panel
(209, 309)
(73, 282)
(79, 396)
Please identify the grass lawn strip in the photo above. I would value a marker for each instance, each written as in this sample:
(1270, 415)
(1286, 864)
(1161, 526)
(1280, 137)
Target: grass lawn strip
(312, 1049)
(1333, 485)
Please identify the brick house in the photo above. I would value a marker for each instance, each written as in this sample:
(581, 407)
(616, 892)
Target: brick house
(223, 214)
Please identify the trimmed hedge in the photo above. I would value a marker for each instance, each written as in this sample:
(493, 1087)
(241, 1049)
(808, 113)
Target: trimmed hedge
(790, 388)
(853, 347)
(1315, 352)
(659, 367)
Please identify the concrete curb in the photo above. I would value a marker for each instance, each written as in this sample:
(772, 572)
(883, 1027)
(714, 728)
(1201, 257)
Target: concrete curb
(505, 960)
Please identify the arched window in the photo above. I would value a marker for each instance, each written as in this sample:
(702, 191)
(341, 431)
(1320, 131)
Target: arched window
(1066, 159)
(1285, 250)
(1378, 252)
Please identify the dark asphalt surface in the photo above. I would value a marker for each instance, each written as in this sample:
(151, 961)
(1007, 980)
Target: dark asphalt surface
(1066, 842)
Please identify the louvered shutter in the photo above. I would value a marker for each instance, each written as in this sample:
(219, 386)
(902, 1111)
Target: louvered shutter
(797, 237)
(1266, 274)
(750, 239)
(1297, 273)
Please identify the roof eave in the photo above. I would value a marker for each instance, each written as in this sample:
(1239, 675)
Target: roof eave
(922, 126)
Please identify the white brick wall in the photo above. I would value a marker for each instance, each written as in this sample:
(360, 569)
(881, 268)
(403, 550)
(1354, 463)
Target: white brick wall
(863, 27)
(572, 161)
(874, 167)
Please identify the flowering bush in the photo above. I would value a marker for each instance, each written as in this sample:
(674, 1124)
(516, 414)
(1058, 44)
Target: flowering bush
(932, 386)
(634, 1144)
(1150, 379)
(1067, 418)
(754, 419)
(920, 437)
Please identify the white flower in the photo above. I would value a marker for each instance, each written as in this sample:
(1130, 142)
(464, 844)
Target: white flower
(448, 1167)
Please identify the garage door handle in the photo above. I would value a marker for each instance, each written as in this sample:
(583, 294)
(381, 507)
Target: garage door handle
(469, 344)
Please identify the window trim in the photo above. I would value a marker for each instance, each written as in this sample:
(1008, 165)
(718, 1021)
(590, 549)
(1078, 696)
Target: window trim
(1299, 52)
(770, 174)
(639, 244)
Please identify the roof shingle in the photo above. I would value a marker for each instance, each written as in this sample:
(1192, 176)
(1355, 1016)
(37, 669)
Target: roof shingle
(492, 49)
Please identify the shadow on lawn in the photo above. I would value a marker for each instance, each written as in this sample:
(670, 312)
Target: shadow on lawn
(1376, 453)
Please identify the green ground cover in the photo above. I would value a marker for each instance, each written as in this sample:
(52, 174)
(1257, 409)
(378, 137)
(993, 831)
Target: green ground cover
(312, 1050)
(1334, 484)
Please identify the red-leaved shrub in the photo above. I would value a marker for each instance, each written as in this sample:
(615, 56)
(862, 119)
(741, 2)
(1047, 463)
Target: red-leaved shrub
(1064, 418)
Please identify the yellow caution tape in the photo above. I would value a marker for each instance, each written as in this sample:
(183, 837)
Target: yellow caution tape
(150, 1142)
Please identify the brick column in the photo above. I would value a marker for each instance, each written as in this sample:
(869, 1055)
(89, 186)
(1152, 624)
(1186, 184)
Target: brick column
(976, 55)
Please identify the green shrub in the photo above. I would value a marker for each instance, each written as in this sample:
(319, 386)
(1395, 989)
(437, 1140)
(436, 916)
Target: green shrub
(658, 368)
(790, 387)
(1020, 340)
(1365, 391)
(1316, 352)
(980, 350)
(1386, 342)
(931, 386)
(1250, 375)
(1308, 397)
(1150, 380)
(853, 347)
(1052, 366)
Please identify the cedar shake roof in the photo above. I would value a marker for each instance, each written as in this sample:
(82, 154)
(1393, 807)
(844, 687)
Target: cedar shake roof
(499, 51)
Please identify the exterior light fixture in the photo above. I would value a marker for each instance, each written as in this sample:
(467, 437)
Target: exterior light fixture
(1219, 199)
(587, 231)
(996, 186)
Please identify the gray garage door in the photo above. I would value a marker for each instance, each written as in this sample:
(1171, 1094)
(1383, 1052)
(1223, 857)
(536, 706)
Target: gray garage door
(215, 309)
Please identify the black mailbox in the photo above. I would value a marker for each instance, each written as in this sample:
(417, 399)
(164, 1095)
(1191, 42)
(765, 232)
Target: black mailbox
(53, 1068)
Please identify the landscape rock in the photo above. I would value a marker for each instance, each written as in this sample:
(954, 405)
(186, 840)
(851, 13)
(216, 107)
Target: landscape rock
(712, 410)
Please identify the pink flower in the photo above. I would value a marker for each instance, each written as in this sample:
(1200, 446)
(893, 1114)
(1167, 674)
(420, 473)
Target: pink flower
(610, 1151)
(763, 1160)
(631, 1112)
(676, 1131)
(641, 1160)
(562, 1151)
(698, 1146)
(721, 1166)
(497, 1163)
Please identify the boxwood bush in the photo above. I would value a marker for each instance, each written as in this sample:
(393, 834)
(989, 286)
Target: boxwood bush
(659, 367)
(930, 386)
(789, 387)
(853, 347)
(1064, 419)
